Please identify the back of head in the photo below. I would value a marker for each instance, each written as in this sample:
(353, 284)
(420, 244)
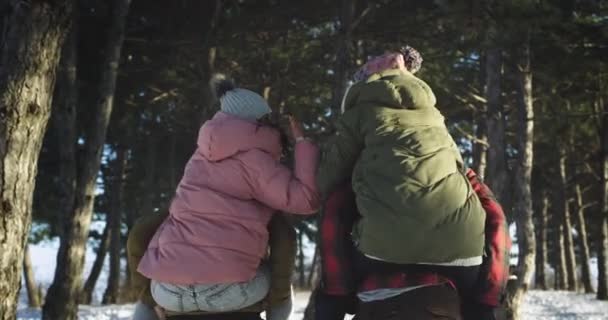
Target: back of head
(412, 58)
(239, 102)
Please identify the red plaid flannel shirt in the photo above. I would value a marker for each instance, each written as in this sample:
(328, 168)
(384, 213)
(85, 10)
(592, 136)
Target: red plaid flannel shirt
(495, 266)
(339, 216)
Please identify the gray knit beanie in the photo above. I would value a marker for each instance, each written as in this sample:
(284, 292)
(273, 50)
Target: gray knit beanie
(242, 103)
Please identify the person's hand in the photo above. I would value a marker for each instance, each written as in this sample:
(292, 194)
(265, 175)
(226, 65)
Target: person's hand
(296, 129)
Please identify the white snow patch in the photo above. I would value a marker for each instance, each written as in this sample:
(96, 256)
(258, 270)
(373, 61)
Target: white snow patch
(558, 305)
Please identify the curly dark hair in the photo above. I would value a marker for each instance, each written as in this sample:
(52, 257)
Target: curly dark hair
(413, 59)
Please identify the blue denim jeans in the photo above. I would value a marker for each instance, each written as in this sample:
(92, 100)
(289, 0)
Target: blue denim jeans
(212, 297)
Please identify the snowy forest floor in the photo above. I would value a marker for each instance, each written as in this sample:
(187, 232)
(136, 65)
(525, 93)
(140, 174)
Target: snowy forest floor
(539, 305)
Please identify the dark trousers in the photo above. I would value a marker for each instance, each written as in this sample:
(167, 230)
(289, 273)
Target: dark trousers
(429, 303)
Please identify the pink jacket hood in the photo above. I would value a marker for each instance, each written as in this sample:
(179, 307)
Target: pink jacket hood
(226, 135)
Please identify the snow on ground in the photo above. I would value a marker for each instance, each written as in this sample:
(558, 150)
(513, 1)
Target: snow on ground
(111, 312)
(539, 305)
(550, 305)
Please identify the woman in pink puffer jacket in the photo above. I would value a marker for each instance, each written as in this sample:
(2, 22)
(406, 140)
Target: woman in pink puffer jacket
(207, 255)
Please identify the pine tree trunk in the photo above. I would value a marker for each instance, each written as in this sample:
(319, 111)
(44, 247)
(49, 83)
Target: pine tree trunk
(89, 285)
(496, 171)
(522, 193)
(560, 269)
(33, 296)
(171, 161)
(480, 148)
(564, 207)
(149, 180)
(602, 236)
(541, 255)
(63, 118)
(315, 268)
(343, 54)
(32, 35)
(583, 242)
(114, 219)
(208, 59)
(301, 271)
(602, 279)
(62, 297)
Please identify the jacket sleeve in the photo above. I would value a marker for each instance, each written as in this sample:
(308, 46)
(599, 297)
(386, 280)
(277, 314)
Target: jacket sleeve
(495, 267)
(291, 191)
(340, 153)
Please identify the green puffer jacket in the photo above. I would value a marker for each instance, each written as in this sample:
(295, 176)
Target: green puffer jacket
(416, 203)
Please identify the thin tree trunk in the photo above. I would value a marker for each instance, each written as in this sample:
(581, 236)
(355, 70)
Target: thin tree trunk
(523, 195)
(583, 242)
(32, 35)
(33, 294)
(496, 171)
(561, 274)
(602, 279)
(315, 268)
(208, 60)
(541, 255)
(480, 148)
(114, 219)
(62, 297)
(302, 277)
(344, 51)
(150, 178)
(89, 285)
(171, 161)
(564, 206)
(602, 236)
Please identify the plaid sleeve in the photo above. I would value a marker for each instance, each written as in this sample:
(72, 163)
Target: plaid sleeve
(337, 220)
(495, 266)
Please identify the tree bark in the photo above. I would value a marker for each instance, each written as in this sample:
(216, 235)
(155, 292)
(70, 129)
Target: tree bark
(497, 170)
(33, 294)
(89, 285)
(344, 51)
(31, 39)
(62, 297)
(561, 275)
(64, 123)
(522, 193)
(564, 208)
(480, 148)
(114, 219)
(602, 279)
(208, 60)
(301, 271)
(315, 268)
(150, 169)
(602, 236)
(582, 238)
(541, 255)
